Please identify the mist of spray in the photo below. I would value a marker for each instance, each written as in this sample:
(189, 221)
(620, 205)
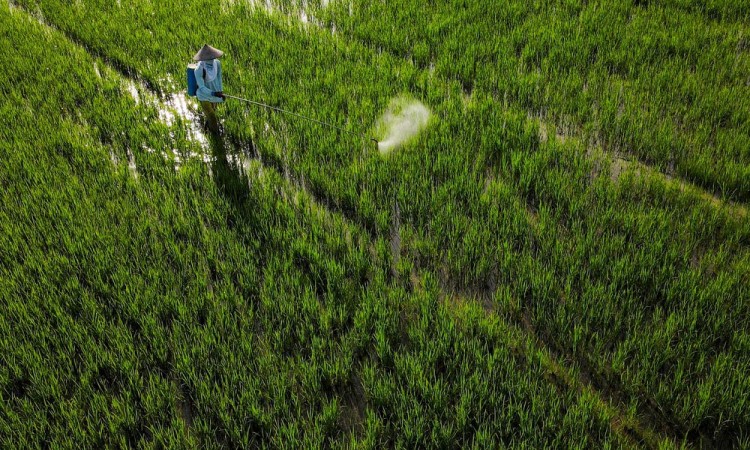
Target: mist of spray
(403, 120)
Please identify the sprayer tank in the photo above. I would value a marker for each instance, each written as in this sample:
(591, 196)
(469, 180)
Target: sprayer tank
(192, 84)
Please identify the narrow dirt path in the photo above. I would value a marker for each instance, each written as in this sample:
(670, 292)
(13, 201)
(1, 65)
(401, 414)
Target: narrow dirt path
(652, 429)
(620, 163)
(608, 405)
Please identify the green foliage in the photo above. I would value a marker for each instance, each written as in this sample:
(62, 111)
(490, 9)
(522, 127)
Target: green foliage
(321, 295)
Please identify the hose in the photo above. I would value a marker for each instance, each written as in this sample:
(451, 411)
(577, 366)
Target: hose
(263, 105)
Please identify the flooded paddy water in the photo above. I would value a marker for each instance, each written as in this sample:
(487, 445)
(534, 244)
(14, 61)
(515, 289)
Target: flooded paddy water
(173, 110)
(301, 12)
(170, 108)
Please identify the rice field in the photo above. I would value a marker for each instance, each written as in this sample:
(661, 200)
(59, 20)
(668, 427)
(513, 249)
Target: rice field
(549, 247)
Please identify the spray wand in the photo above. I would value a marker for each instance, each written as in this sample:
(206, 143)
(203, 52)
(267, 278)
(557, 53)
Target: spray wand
(263, 105)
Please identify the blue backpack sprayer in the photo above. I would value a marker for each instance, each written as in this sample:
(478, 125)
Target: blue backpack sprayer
(192, 88)
(192, 85)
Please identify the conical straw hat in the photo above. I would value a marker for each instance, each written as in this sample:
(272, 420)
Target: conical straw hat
(207, 53)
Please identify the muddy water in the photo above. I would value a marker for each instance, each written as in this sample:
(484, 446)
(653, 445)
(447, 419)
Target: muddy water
(170, 108)
(112, 157)
(173, 110)
(300, 11)
(178, 104)
(177, 109)
(258, 5)
(131, 164)
(133, 91)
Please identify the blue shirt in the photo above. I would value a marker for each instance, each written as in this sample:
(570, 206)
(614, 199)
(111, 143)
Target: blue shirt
(207, 88)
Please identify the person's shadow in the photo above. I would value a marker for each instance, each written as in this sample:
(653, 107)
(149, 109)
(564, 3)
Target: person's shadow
(230, 179)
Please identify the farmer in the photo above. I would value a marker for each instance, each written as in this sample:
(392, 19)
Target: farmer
(208, 77)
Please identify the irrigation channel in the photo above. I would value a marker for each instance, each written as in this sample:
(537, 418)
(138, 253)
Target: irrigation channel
(540, 349)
